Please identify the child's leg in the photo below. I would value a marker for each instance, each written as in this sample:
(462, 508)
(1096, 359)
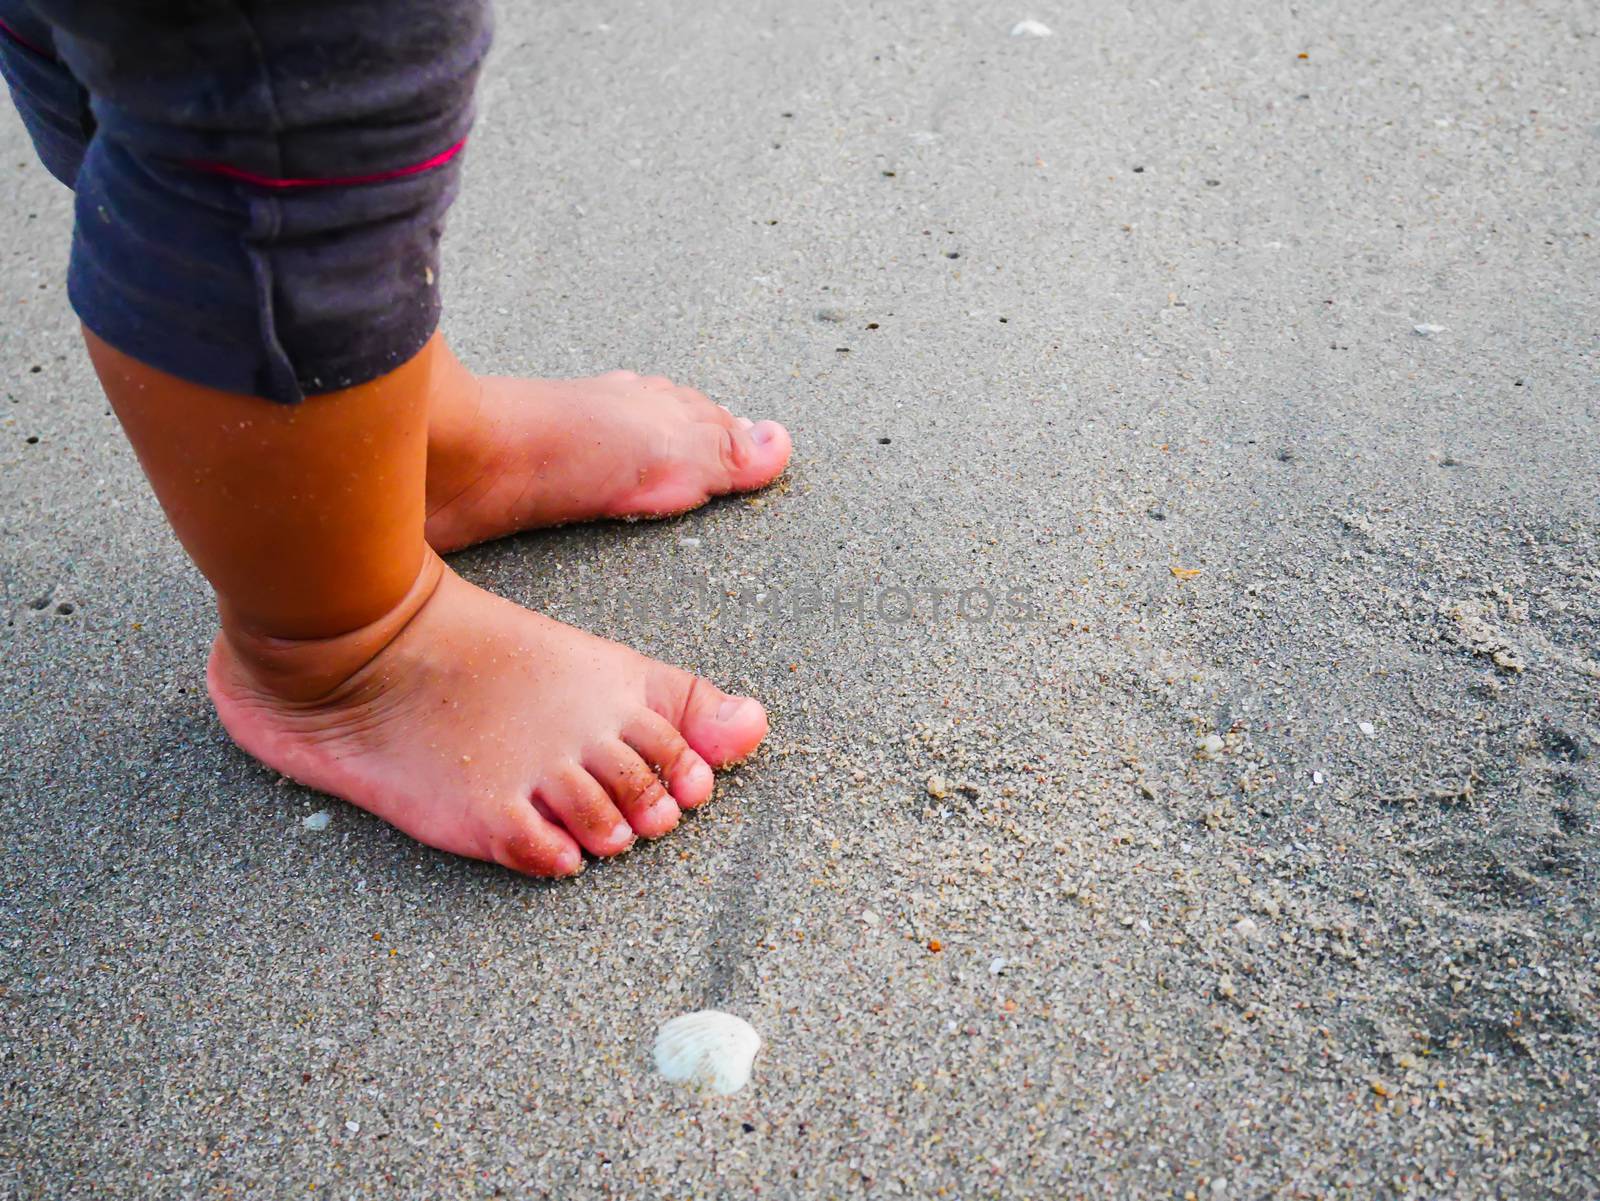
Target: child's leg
(243, 233)
(354, 661)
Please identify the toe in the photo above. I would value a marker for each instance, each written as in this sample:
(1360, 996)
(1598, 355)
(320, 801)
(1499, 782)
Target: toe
(742, 458)
(634, 788)
(722, 729)
(772, 438)
(582, 806)
(687, 776)
(773, 447)
(529, 843)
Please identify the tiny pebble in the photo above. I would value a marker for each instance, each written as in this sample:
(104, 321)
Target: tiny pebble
(1316, 777)
(1367, 728)
(317, 821)
(996, 966)
(353, 1127)
(690, 543)
(1030, 29)
(1427, 329)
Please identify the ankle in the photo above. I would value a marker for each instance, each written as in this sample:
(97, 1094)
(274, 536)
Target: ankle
(462, 437)
(308, 669)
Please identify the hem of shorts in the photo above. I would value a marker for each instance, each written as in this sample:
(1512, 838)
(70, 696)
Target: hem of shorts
(227, 370)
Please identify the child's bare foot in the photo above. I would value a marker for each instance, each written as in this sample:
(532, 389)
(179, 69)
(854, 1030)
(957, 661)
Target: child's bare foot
(513, 454)
(484, 729)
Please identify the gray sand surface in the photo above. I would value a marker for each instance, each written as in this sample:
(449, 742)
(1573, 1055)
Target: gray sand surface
(1057, 314)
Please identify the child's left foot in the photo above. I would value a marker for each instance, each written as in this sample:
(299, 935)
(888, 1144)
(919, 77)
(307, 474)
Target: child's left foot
(514, 454)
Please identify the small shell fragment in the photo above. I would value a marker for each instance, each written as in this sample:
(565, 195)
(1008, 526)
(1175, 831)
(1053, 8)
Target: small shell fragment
(1030, 29)
(317, 821)
(708, 1048)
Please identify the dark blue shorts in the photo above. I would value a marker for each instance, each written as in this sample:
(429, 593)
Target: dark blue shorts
(261, 184)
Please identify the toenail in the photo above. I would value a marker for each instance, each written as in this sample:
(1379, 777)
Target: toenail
(764, 433)
(730, 707)
(699, 776)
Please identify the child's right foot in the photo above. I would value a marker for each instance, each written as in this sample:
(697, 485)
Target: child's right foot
(485, 729)
(517, 454)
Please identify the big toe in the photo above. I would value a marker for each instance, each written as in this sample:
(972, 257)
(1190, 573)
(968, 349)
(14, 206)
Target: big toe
(771, 447)
(722, 729)
(747, 455)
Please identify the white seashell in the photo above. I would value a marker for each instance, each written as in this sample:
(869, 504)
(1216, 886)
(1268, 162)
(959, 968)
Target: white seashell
(708, 1048)
(1030, 29)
